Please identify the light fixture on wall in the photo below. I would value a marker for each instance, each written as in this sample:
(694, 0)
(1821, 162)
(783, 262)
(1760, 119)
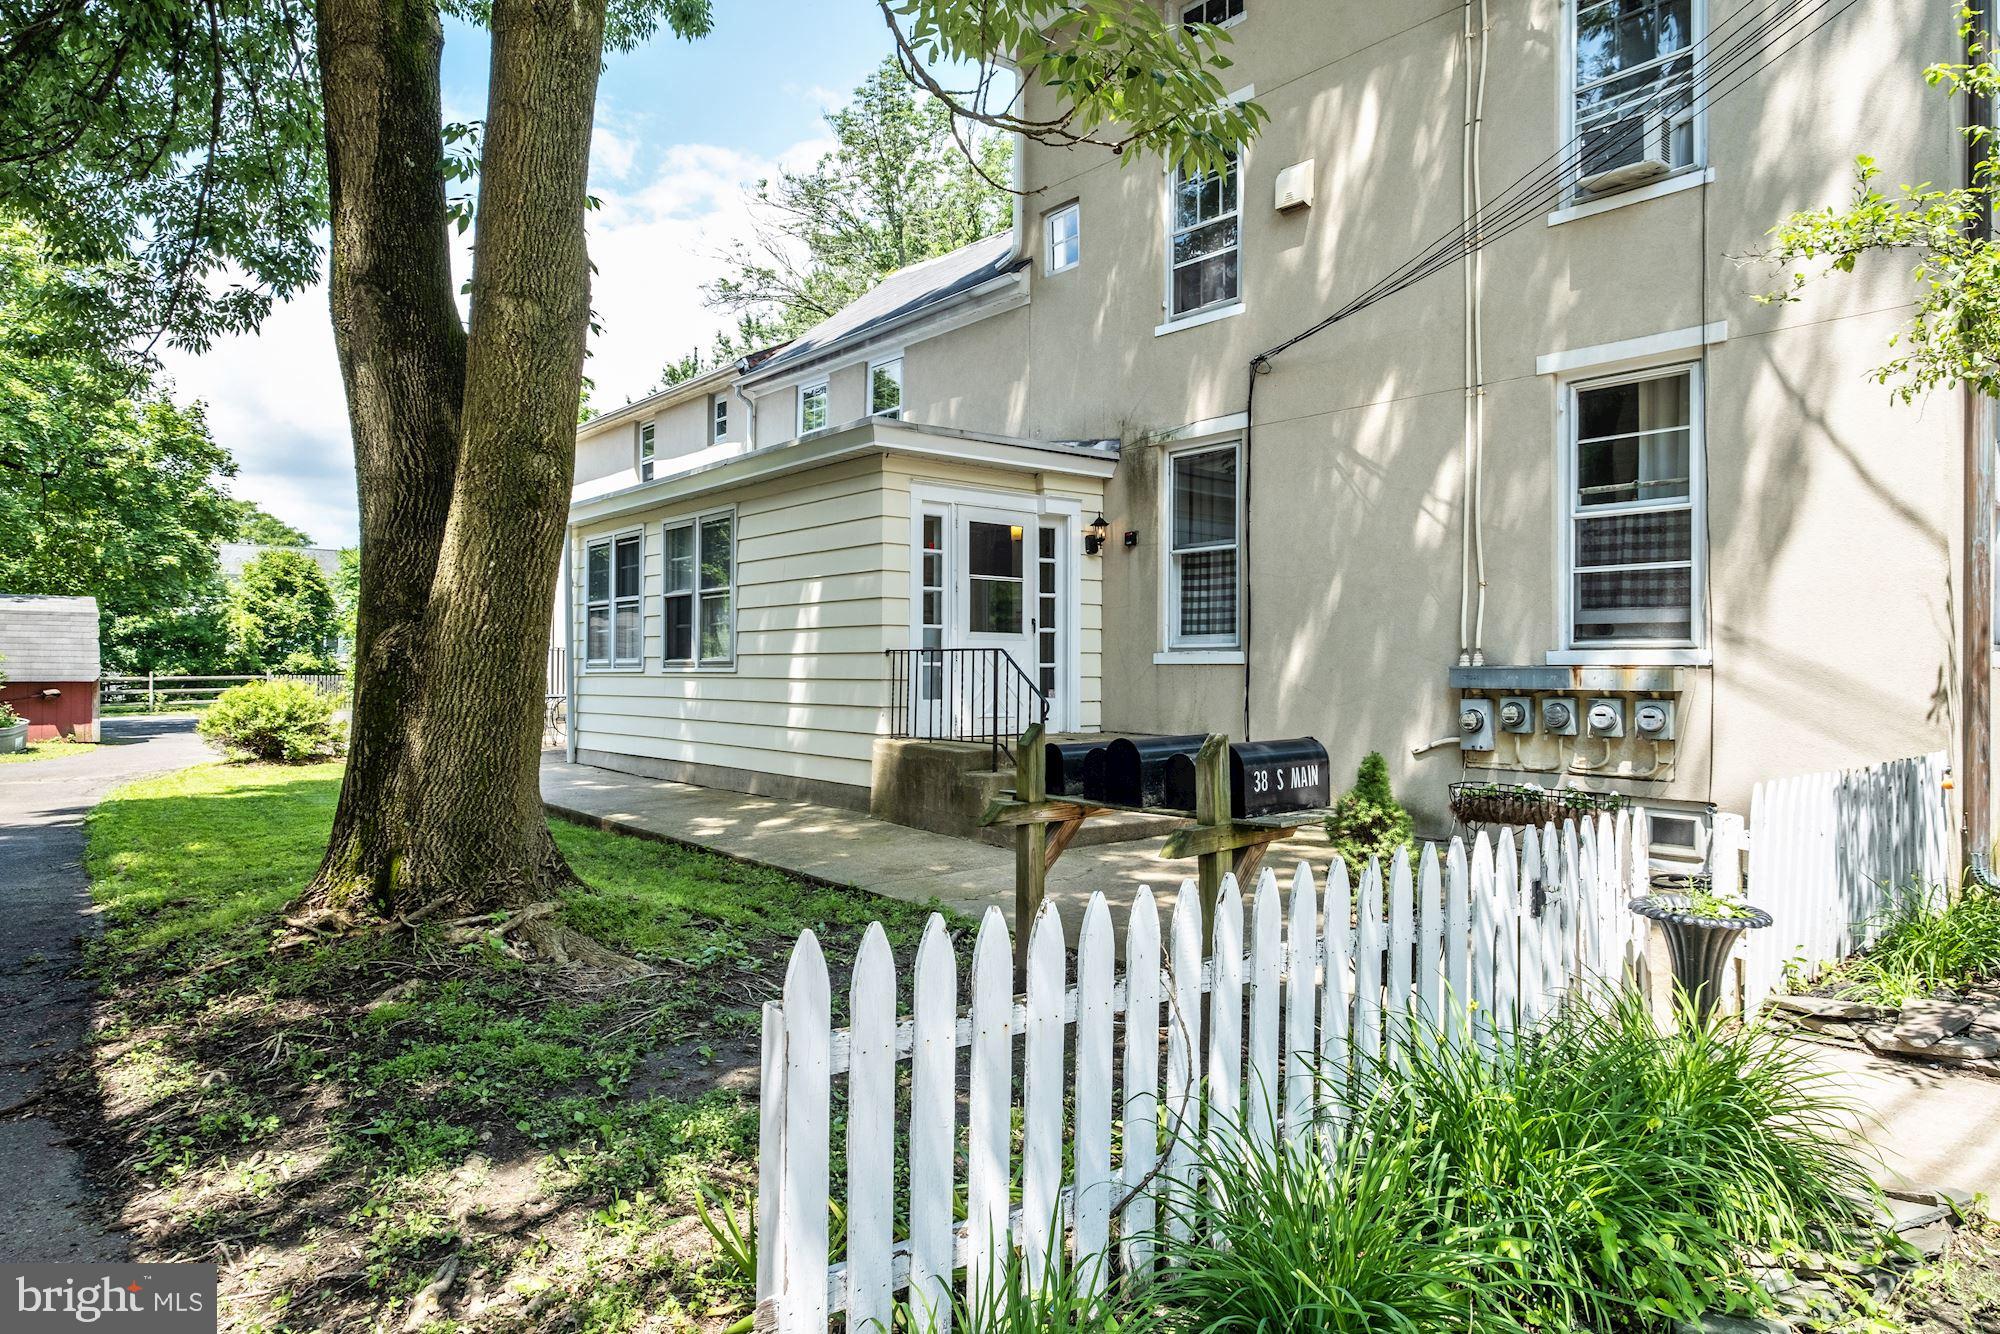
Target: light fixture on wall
(1094, 534)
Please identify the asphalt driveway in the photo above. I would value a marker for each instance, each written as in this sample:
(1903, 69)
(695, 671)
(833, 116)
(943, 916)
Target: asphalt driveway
(44, 1006)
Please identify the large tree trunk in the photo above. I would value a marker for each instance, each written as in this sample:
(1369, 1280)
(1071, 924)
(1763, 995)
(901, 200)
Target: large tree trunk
(480, 830)
(465, 451)
(402, 358)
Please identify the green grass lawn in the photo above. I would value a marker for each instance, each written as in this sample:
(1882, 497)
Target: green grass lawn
(54, 748)
(335, 1122)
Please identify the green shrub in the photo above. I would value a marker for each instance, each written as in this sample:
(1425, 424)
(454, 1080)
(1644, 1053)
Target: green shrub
(1367, 821)
(1618, 1175)
(9, 718)
(286, 721)
(1928, 946)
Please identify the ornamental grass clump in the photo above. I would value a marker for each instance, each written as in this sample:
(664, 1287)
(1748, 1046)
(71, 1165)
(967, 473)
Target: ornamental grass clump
(1622, 1177)
(1928, 946)
(1279, 1239)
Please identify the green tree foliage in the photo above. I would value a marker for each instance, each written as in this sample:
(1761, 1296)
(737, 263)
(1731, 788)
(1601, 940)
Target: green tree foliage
(347, 592)
(1368, 821)
(107, 488)
(256, 524)
(282, 615)
(1954, 336)
(896, 189)
(177, 146)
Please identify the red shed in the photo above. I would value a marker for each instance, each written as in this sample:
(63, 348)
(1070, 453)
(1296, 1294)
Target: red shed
(48, 656)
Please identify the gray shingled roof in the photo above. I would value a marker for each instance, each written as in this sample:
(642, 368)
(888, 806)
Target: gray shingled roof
(48, 638)
(233, 557)
(902, 294)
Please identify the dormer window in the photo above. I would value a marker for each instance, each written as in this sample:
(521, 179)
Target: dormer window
(718, 417)
(646, 449)
(885, 388)
(812, 407)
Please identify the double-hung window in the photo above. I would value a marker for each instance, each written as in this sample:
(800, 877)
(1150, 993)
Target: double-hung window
(700, 598)
(812, 407)
(1202, 241)
(885, 388)
(1204, 518)
(1211, 11)
(1062, 233)
(1635, 531)
(1634, 89)
(646, 451)
(611, 602)
(718, 417)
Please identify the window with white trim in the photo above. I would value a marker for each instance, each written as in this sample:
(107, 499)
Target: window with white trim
(646, 450)
(1062, 238)
(885, 388)
(718, 417)
(699, 601)
(812, 407)
(1204, 511)
(1211, 11)
(1633, 82)
(611, 635)
(1633, 544)
(1202, 240)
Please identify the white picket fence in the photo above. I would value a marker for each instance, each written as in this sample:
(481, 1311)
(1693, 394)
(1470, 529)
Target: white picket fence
(1455, 934)
(1830, 852)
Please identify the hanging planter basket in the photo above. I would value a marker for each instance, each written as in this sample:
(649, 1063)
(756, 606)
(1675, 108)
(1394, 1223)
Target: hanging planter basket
(1526, 803)
(1700, 945)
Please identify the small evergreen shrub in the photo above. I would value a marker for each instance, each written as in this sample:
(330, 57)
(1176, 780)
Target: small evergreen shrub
(275, 721)
(1368, 821)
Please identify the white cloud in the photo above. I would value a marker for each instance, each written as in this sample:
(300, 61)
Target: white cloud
(275, 399)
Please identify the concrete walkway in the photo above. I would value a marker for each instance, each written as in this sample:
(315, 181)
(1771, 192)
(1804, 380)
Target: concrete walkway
(1929, 1125)
(44, 1006)
(851, 849)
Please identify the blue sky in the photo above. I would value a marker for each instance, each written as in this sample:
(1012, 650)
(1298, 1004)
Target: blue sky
(683, 129)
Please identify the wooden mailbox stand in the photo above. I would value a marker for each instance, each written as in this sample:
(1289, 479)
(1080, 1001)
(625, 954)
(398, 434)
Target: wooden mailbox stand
(1044, 829)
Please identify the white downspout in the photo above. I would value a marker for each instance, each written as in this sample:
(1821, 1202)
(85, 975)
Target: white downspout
(569, 644)
(1466, 463)
(1475, 271)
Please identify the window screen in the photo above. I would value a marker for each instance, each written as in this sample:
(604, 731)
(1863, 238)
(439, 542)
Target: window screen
(1632, 512)
(1203, 547)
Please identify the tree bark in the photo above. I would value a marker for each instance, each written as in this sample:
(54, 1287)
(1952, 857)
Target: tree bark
(402, 355)
(480, 833)
(464, 452)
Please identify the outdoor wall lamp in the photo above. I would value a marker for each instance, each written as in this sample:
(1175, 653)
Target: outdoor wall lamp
(1094, 534)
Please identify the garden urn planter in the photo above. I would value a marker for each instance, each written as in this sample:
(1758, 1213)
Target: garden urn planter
(1699, 945)
(13, 740)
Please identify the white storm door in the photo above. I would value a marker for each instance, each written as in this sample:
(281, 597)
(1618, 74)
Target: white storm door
(995, 600)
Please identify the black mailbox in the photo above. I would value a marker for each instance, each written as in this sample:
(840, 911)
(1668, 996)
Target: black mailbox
(1265, 778)
(1069, 764)
(1135, 771)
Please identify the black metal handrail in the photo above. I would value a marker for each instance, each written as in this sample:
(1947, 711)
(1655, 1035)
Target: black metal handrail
(962, 694)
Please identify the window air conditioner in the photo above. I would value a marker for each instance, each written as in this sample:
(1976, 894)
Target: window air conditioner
(1624, 153)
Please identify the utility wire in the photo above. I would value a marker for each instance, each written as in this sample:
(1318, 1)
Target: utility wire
(1737, 54)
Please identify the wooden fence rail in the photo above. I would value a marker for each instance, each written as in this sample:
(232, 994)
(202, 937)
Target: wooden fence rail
(1829, 855)
(1480, 939)
(204, 689)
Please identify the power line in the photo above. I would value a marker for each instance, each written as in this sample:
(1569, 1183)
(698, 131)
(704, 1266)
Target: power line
(1737, 55)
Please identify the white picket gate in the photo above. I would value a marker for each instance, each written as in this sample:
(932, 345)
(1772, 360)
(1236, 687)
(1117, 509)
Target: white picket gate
(1830, 852)
(1456, 929)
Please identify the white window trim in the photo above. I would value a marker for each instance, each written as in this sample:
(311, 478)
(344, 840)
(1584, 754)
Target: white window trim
(902, 389)
(718, 403)
(648, 450)
(1566, 108)
(1049, 267)
(1200, 648)
(613, 665)
(1169, 321)
(1634, 354)
(1697, 652)
(1232, 21)
(698, 664)
(823, 384)
(1687, 178)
